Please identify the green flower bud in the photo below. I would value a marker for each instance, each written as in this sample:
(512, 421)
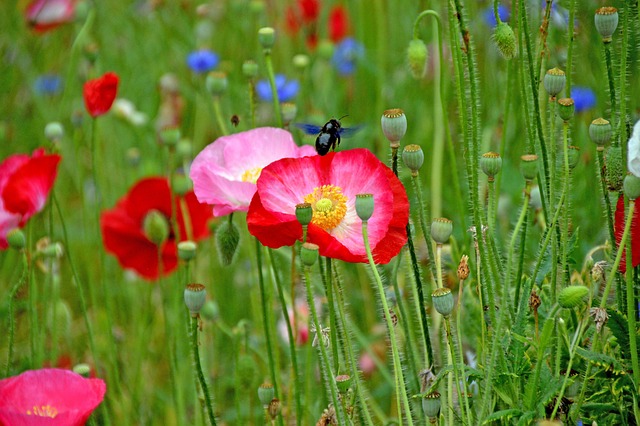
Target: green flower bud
(249, 69)
(181, 184)
(364, 206)
(156, 227)
(325, 49)
(16, 239)
(304, 213)
(216, 83)
(227, 240)
(417, 54)
(441, 229)
(600, 131)
(210, 311)
(443, 301)
(194, 297)
(491, 164)
(53, 131)
(614, 168)
(566, 108)
(82, 369)
(606, 20)
(529, 166)
(572, 296)
(184, 149)
(266, 393)
(394, 125)
(505, 40)
(554, 81)
(431, 405)
(309, 254)
(187, 250)
(289, 111)
(170, 136)
(266, 37)
(631, 186)
(301, 61)
(574, 155)
(413, 158)
(343, 382)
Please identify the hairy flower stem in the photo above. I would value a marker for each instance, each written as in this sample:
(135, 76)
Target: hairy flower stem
(616, 263)
(333, 332)
(605, 193)
(297, 388)
(565, 228)
(217, 110)
(424, 217)
(199, 375)
(325, 364)
(272, 84)
(252, 102)
(612, 87)
(401, 392)
(570, 44)
(453, 358)
(12, 295)
(624, 52)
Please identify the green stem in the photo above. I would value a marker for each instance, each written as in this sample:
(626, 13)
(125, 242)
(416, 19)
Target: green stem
(616, 263)
(12, 295)
(570, 44)
(401, 391)
(272, 83)
(218, 113)
(456, 373)
(199, 373)
(425, 218)
(605, 193)
(333, 330)
(612, 88)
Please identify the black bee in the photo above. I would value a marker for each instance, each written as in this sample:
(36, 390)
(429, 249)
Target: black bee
(328, 135)
(235, 120)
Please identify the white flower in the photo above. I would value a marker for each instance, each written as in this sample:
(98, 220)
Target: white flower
(126, 110)
(633, 157)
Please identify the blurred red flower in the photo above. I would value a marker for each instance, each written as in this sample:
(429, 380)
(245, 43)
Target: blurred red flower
(100, 93)
(45, 15)
(123, 233)
(49, 397)
(25, 183)
(635, 233)
(338, 23)
(304, 14)
(309, 9)
(330, 184)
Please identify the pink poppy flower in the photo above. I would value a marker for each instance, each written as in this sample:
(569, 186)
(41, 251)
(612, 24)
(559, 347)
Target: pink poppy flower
(224, 173)
(49, 397)
(25, 182)
(330, 184)
(45, 15)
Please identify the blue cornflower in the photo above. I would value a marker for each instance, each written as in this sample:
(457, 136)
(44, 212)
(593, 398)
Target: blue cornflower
(583, 98)
(287, 89)
(48, 84)
(202, 61)
(489, 17)
(346, 55)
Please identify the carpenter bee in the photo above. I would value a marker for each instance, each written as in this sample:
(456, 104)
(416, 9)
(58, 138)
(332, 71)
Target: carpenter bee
(328, 135)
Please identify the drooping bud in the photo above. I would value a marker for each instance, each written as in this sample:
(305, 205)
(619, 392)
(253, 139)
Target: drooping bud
(216, 83)
(529, 166)
(194, 297)
(394, 125)
(554, 81)
(210, 311)
(227, 240)
(441, 229)
(274, 408)
(606, 20)
(572, 296)
(505, 40)
(156, 227)
(364, 206)
(413, 158)
(443, 301)
(614, 169)
(600, 131)
(631, 186)
(417, 54)
(266, 37)
(573, 153)
(566, 108)
(463, 268)
(491, 164)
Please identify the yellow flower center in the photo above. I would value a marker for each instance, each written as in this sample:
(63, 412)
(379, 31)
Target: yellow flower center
(329, 206)
(43, 411)
(251, 175)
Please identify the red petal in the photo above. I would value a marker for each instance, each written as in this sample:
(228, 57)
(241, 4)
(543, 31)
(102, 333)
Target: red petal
(635, 233)
(292, 22)
(272, 229)
(199, 216)
(310, 9)
(100, 93)
(338, 23)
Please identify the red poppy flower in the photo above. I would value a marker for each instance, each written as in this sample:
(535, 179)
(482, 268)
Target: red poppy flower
(45, 15)
(25, 183)
(309, 10)
(49, 397)
(330, 184)
(123, 233)
(635, 233)
(338, 23)
(100, 93)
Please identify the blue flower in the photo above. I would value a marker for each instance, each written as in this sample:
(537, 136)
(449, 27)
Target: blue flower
(346, 55)
(202, 61)
(287, 89)
(48, 84)
(583, 98)
(489, 17)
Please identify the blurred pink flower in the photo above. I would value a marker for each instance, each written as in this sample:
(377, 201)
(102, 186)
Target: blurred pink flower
(45, 15)
(50, 396)
(225, 172)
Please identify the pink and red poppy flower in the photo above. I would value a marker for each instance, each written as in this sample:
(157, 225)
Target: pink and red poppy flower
(330, 184)
(224, 173)
(100, 93)
(620, 218)
(45, 15)
(49, 397)
(25, 183)
(123, 226)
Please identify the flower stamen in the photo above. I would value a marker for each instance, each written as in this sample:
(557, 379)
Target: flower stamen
(251, 175)
(329, 206)
(43, 411)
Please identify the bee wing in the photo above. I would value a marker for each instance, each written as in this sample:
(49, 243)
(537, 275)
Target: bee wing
(310, 129)
(345, 132)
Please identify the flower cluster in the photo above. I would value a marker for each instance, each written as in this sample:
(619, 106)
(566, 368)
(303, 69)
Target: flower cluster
(25, 182)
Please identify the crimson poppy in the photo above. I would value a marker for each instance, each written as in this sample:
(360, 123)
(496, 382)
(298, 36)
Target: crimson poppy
(25, 183)
(123, 226)
(50, 397)
(330, 184)
(635, 233)
(338, 23)
(100, 93)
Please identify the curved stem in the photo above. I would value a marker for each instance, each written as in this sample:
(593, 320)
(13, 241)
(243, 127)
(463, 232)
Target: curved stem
(217, 110)
(616, 263)
(199, 374)
(272, 83)
(12, 295)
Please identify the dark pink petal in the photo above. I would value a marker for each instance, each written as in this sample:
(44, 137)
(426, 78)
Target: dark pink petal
(620, 218)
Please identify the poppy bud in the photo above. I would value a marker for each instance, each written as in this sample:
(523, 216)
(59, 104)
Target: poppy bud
(600, 132)
(187, 250)
(184, 149)
(325, 49)
(210, 310)
(443, 301)
(505, 40)
(301, 61)
(249, 69)
(194, 297)
(304, 213)
(364, 206)
(289, 111)
(16, 239)
(275, 406)
(394, 125)
(614, 170)
(413, 158)
(170, 136)
(309, 254)
(431, 405)
(417, 54)
(463, 268)
(529, 166)
(554, 81)
(156, 227)
(82, 369)
(491, 164)
(574, 155)
(572, 296)
(227, 239)
(266, 393)
(53, 131)
(566, 108)
(343, 382)
(266, 37)
(441, 229)
(606, 20)
(216, 83)
(631, 186)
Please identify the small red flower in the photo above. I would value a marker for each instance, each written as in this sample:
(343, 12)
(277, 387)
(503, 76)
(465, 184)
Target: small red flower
(338, 23)
(635, 233)
(25, 183)
(45, 15)
(309, 10)
(123, 233)
(100, 93)
(49, 397)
